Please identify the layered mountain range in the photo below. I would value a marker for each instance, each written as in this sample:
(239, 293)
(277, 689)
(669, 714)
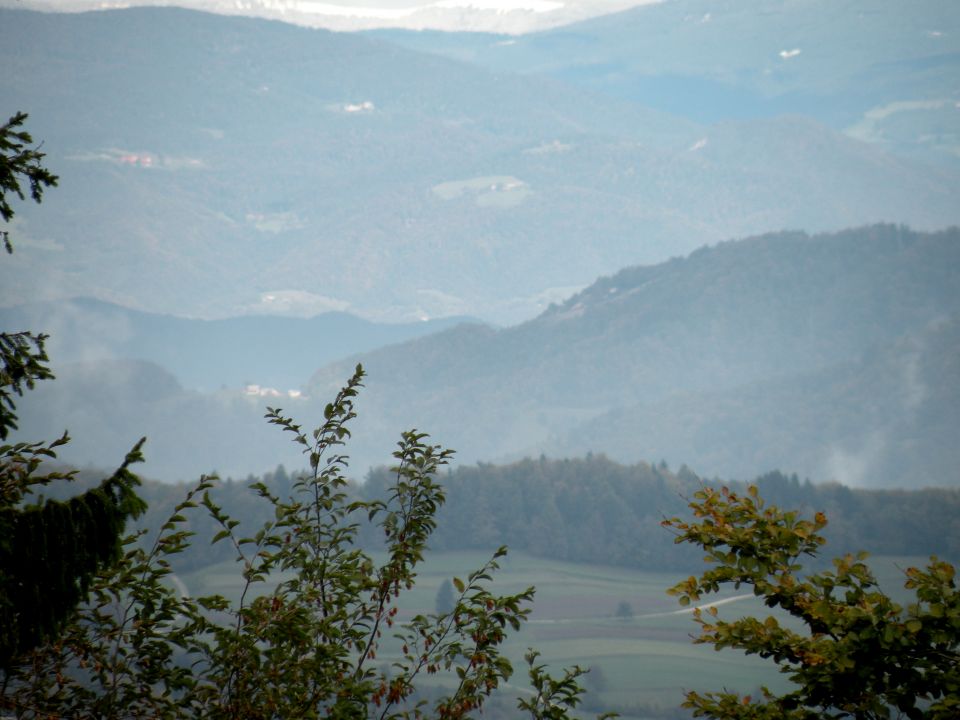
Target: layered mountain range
(507, 16)
(217, 166)
(833, 356)
(267, 351)
(218, 172)
(881, 71)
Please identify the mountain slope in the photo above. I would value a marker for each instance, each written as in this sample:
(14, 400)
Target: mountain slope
(209, 164)
(731, 321)
(887, 419)
(108, 405)
(834, 356)
(277, 352)
(884, 70)
(509, 16)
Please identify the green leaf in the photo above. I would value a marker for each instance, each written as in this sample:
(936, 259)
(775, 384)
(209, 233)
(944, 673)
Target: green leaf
(220, 536)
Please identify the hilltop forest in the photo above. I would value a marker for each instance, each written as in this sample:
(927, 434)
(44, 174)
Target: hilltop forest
(593, 510)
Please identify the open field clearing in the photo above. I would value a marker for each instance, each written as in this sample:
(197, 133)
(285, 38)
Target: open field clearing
(640, 664)
(646, 660)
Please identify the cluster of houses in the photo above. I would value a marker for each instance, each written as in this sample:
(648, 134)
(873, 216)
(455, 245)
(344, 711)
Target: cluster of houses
(253, 390)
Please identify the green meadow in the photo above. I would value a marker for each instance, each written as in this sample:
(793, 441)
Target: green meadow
(640, 664)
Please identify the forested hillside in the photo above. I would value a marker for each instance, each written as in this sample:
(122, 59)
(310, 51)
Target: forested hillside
(882, 71)
(592, 510)
(886, 418)
(215, 166)
(832, 356)
(845, 344)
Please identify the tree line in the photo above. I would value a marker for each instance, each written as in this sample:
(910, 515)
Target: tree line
(103, 634)
(591, 510)
(595, 510)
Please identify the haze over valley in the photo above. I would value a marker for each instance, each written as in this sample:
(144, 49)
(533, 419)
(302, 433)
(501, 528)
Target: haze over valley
(274, 169)
(246, 173)
(621, 256)
(504, 16)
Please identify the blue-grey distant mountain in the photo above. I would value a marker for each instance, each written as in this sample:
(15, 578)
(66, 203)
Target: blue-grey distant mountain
(197, 389)
(269, 351)
(214, 166)
(884, 70)
(107, 405)
(510, 16)
(835, 356)
(888, 418)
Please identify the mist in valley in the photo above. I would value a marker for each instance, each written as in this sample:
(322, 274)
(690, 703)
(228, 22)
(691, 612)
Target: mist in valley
(607, 252)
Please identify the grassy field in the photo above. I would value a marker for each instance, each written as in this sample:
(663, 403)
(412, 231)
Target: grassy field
(647, 660)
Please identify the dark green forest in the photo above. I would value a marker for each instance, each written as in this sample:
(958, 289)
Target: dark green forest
(594, 510)
(598, 511)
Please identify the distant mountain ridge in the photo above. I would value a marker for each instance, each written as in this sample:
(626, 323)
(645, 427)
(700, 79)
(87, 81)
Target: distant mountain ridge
(835, 356)
(269, 351)
(197, 389)
(680, 341)
(507, 16)
(211, 164)
(887, 419)
(882, 70)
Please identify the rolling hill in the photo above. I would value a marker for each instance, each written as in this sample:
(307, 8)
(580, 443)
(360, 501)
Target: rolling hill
(206, 355)
(218, 166)
(832, 355)
(883, 71)
(510, 16)
(197, 389)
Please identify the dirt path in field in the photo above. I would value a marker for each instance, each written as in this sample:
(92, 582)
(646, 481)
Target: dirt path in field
(644, 616)
(704, 606)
